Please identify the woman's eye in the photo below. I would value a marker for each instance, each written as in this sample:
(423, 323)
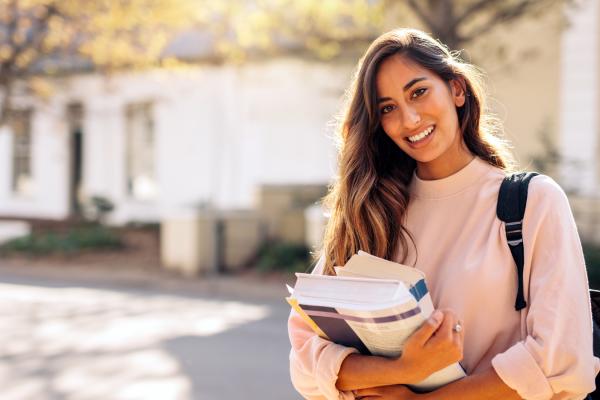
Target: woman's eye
(419, 92)
(387, 109)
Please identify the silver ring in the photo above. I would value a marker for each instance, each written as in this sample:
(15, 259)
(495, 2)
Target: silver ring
(457, 328)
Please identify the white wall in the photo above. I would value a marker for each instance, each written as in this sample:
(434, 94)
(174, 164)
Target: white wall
(220, 132)
(276, 130)
(49, 195)
(580, 98)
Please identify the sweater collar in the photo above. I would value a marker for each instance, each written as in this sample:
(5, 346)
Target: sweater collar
(453, 184)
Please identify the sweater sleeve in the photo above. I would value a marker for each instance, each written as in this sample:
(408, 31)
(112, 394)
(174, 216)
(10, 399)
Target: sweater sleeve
(555, 360)
(314, 361)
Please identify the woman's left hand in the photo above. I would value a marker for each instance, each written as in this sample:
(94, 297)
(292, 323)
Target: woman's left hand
(394, 392)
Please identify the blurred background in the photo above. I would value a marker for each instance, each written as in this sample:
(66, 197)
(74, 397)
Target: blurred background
(162, 163)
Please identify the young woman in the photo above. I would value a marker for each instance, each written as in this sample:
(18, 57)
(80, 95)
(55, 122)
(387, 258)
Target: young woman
(420, 166)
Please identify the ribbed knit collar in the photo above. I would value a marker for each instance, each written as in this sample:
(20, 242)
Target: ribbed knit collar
(451, 185)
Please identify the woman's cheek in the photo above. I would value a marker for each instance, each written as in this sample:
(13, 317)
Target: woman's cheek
(389, 127)
(388, 132)
(398, 142)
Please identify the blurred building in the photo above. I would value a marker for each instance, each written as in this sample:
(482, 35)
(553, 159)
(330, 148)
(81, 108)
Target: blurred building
(154, 141)
(219, 136)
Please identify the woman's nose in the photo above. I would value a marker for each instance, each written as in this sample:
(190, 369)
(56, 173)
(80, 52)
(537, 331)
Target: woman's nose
(410, 118)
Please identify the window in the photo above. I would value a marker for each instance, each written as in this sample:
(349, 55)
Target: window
(141, 176)
(20, 123)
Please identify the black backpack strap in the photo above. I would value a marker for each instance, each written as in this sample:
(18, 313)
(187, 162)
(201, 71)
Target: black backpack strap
(512, 200)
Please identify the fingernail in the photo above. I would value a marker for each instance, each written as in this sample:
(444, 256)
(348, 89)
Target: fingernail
(435, 317)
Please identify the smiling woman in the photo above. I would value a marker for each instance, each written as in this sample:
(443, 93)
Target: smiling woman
(420, 166)
(420, 117)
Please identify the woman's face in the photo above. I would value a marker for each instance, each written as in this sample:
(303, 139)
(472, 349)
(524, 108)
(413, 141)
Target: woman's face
(418, 112)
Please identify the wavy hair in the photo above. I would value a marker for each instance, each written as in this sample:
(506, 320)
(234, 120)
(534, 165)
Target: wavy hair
(368, 201)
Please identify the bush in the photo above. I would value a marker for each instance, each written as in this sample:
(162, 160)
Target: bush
(287, 257)
(73, 240)
(591, 253)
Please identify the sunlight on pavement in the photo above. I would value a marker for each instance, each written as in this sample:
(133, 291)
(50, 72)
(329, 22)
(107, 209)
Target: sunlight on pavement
(81, 343)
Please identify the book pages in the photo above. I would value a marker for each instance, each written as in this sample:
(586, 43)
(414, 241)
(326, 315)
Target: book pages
(364, 265)
(384, 331)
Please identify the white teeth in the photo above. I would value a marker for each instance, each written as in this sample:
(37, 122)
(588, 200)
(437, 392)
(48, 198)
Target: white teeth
(421, 135)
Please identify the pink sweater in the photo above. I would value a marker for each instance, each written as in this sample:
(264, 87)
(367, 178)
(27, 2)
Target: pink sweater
(544, 351)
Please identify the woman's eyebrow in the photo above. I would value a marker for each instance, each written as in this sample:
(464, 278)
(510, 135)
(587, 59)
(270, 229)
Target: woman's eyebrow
(405, 88)
(409, 84)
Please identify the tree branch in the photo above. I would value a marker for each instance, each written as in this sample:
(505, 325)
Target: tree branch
(416, 7)
(502, 15)
(474, 8)
(9, 70)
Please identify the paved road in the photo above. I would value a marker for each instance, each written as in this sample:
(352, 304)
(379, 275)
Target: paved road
(88, 338)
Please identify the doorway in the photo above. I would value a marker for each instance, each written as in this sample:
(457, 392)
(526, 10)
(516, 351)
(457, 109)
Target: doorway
(75, 126)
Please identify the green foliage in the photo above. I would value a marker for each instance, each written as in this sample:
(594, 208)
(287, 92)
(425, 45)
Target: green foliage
(45, 37)
(591, 253)
(286, 257)
(91, 236)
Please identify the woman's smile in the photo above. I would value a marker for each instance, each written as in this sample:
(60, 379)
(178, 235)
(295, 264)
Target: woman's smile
(421, 139)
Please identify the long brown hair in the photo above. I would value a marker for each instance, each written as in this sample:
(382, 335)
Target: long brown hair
(369, 199)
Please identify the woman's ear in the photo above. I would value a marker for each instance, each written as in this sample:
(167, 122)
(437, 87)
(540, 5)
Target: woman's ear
(458, 91)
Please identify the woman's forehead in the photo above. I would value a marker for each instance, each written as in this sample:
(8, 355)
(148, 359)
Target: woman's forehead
(397, 71)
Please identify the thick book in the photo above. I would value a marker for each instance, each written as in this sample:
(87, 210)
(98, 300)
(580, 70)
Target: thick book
(373, 305)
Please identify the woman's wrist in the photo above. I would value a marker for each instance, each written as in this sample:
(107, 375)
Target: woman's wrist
(360, 371)
(405, 374)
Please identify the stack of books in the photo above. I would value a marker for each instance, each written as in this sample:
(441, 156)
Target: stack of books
(373, 305)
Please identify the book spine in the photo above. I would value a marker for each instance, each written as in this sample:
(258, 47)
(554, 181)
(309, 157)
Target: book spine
(419, 290)
(335, 327)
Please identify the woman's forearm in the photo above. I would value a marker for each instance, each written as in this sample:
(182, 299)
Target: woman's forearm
(486, 385)
(360, 371)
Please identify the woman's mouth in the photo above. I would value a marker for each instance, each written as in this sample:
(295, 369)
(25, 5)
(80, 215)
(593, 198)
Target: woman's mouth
(420, 139)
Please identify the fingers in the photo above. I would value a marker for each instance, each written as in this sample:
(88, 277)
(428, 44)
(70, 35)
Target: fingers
(422, 335)
(447, 337)
(446, 329)
(439, 333)
(460, 333)
(447, 332)
(459, 338)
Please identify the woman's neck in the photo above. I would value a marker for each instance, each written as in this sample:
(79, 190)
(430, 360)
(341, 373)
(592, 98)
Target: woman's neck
(444, 166)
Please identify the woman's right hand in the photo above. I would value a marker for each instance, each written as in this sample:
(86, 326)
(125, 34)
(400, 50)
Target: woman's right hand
(433, 346)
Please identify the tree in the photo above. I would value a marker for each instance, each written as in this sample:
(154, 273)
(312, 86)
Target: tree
(459, 23)
(44, 37)
(329, 27)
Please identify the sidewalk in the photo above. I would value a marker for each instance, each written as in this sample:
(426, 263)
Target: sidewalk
(250, 286)
(105, 333)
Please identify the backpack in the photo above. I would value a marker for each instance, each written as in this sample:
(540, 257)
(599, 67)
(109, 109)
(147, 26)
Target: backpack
(512, 200)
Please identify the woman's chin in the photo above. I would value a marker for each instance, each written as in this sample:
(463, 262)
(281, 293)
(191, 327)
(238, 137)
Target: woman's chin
(423, 158)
